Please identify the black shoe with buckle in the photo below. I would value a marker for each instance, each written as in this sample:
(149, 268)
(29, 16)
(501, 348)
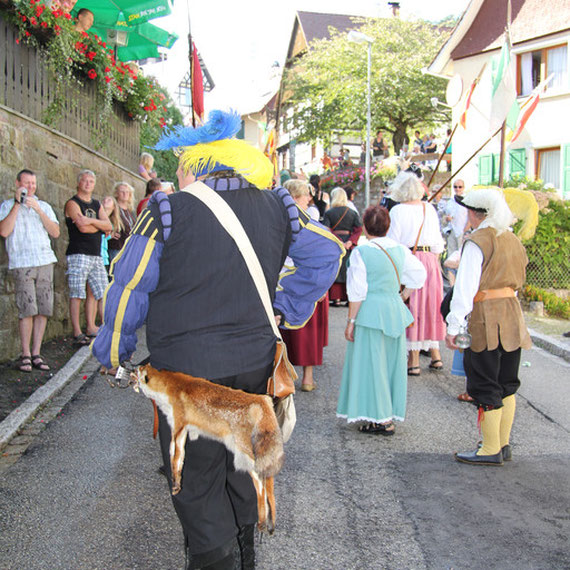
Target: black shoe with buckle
(472, 458)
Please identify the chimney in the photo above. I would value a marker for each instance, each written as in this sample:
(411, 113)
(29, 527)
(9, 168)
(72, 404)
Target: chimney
(395, 8)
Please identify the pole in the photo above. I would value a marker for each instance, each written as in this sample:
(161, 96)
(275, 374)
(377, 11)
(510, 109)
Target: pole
(191, 61)
(502, 155)
(442, 155)
(368, 121)
(465, 164)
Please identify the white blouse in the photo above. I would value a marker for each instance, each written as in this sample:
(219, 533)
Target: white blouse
(412, 276)
(405, 222)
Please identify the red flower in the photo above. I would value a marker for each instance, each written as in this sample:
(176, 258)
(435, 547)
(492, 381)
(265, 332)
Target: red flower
(92, 74)
(24, 18)
(39, 10)
(27, 33)
(120, 88)
(67, 16)
(44, 25)
(57, 13)
(107, 79)
(33, 21)
(107, 69)
(57, 30)
(91, 55)
(17, 40)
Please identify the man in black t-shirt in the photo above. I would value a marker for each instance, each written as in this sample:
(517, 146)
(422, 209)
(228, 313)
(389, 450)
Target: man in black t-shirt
(87, 224)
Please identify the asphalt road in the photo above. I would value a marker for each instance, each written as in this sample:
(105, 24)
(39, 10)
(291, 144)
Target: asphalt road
(87, 495)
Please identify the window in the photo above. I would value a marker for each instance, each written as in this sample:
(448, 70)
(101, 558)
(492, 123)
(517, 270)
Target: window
(548, 166)
(535, 66)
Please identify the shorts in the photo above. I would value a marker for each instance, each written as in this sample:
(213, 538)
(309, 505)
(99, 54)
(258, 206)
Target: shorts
(83, 269)
(34, 290)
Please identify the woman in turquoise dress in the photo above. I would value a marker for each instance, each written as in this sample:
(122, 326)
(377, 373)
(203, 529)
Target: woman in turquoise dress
(374, 377)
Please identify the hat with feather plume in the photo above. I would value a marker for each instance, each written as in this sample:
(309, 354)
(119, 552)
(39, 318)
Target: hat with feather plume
(212, 147)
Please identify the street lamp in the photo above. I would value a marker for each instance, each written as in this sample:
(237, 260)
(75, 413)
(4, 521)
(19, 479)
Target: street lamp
(360, 38)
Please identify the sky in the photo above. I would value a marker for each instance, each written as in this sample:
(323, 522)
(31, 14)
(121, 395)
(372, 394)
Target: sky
(244, 43)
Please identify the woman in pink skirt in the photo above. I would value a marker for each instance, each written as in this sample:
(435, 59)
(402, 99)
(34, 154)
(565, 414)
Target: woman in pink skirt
(415, 224)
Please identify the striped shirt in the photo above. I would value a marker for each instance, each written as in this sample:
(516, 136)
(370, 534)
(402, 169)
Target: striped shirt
(28, 245)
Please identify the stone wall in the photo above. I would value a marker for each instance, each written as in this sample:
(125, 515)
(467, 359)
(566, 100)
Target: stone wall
(56, 160)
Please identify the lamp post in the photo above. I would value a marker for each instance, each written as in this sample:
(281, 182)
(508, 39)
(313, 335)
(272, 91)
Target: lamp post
(360, 38)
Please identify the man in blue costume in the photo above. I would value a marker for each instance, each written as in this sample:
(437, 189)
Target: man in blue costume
(182, 275)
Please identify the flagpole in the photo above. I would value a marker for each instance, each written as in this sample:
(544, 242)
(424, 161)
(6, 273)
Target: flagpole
(502, 154)
(442, 155)
(465, 163)
(191, 61)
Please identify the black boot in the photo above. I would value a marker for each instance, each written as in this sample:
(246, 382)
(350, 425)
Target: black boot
(231, 560)
(246, 546)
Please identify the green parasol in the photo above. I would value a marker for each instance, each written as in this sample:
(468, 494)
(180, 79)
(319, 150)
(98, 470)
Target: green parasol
(110, 13)
(135, 42)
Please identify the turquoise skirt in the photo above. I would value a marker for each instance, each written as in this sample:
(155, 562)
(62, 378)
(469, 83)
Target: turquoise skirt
(374, 378)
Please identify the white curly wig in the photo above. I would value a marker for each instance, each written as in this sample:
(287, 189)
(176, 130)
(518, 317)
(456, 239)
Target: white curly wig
(492, 203)
(407, 187)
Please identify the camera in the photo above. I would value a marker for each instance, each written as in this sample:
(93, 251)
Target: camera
(23, 194)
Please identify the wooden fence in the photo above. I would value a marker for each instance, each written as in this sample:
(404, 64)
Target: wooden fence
(28, 87)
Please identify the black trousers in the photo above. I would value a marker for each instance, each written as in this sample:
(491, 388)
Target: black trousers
(492, 375)
(215, 500)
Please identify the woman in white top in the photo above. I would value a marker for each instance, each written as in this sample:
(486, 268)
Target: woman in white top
(415, 223)
(374, 380)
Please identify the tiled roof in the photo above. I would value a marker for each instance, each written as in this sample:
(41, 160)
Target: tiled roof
(529, 19)
(316, 25)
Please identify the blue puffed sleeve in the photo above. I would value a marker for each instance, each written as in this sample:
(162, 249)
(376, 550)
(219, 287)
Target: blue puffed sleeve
(316, 256)
(135, 273)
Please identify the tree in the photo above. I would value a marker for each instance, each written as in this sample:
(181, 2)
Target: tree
(325, 91)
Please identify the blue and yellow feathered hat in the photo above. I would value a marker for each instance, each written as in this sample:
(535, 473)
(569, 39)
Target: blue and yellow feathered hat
(211, 148)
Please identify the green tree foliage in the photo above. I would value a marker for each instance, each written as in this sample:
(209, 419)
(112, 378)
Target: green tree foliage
(325, 91)
(165, 163)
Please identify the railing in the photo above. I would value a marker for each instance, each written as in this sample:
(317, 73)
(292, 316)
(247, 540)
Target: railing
(28, 87)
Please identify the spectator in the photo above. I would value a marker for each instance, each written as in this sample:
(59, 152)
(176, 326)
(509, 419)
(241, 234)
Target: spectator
(456, 216)
(430, 145)
(152, 186)
(448, 150)
(415, 224)
(305, 345)
(350, 194)
(86, 222)
(345, 224)
(374, 379)
(112, 210)
(379, 147)
(27, 224)
(85, 19)
(124, 195)
(168, 188)
(321, 198)
(418, 143)
(145, 166)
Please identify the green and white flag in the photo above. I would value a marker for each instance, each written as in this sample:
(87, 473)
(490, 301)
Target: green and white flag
(503, 87)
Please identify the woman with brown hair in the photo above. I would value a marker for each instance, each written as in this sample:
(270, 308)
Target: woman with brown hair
(123, 218)
(374, 380)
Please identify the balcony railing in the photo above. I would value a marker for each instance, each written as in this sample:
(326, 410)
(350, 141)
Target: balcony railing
(28, 87)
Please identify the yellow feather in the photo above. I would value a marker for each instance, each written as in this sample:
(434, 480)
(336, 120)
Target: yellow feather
(245, 159)
(524, 207)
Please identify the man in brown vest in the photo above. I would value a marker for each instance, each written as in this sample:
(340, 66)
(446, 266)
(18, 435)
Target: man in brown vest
(492, 268)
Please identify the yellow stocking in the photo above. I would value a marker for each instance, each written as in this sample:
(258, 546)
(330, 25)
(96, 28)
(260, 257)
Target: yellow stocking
(507, 418)
(490, 429)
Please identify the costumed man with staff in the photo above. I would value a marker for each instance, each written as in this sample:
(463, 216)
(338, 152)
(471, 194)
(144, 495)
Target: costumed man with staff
(182, 274)
(492, 268)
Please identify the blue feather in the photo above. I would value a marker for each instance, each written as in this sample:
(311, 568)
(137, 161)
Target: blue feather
(220, 125)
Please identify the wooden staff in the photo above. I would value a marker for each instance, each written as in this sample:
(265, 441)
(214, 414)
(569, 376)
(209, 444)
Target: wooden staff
(466, 163)
(441, 156)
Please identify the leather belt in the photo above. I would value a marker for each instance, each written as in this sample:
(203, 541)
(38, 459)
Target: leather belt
(487, 294)
(421, 248)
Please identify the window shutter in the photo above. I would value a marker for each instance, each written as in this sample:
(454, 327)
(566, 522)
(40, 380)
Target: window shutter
(496, 166)
(485, 169)
(566, 171)
(517, 162)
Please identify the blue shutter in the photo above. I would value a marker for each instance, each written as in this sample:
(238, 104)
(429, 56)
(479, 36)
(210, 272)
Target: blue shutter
(485, 169)
(565, 171)
(517, 162)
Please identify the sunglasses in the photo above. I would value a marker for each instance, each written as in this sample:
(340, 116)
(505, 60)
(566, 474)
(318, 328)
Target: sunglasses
(458, 187)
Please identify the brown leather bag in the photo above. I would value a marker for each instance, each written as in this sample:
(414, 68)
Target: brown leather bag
(280, 383)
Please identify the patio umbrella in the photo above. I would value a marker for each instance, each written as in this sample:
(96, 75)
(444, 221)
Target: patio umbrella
(135, 42)
(110, 13)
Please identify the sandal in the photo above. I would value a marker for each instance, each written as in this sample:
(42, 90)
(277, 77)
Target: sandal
(433, 365)
(465, 397)
(82, 340)
(414, 371)
(24, 364)
(39, 363)
(383, 429)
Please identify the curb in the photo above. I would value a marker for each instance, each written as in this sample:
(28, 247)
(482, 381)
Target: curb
(550, 344)
(10, 426)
